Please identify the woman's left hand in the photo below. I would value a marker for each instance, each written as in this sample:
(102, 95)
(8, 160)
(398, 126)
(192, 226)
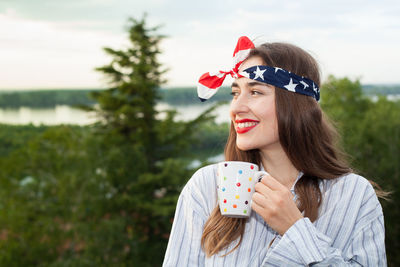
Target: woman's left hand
(274, 202)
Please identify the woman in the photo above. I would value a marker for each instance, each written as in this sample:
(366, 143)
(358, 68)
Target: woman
(311, 209)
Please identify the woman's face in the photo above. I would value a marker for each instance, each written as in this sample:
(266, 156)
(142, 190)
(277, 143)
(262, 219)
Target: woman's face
(252, 111)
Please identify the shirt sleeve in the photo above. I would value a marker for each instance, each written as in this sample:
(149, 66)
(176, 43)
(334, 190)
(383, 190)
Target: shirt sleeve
(304, 244)
(184, 245)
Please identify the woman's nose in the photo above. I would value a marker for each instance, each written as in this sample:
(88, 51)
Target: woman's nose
(239, 104)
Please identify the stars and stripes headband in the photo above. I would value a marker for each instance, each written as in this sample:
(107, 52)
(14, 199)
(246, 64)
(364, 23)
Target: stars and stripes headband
(209, 83)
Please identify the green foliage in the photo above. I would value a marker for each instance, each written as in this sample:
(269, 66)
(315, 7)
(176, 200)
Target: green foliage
(46, 201)
(102, 195)
(346, 105)
(211, 140)
(371, 136)
(62, 196)
(14, 137)
(147, 156)
(45, 98)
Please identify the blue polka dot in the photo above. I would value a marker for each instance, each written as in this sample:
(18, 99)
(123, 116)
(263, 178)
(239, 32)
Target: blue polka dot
(240, 171)
(223, 189)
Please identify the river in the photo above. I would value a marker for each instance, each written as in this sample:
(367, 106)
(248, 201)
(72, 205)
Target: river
(67, 115)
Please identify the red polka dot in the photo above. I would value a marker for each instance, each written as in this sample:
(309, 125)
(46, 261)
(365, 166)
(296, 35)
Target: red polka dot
(234, 206)
(249, 189)
(238, 184)
(224, 200)
(251, 167)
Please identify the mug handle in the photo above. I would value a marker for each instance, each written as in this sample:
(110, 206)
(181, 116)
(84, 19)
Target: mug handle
(260, 174)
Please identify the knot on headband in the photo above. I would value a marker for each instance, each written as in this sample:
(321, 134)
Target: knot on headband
(209, 83)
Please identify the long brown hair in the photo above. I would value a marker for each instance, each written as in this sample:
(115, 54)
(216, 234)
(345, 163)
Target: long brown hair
(306, 135)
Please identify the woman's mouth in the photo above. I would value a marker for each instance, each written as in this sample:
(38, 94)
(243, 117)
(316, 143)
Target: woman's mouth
(243, 126)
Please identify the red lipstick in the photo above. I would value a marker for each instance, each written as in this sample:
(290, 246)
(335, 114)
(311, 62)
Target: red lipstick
(245, 120)
(241, 130)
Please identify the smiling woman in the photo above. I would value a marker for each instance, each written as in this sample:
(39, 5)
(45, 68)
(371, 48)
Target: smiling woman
(310, 208)
(253, 102)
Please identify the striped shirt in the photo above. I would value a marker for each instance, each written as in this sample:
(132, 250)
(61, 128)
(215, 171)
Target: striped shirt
(349, 230)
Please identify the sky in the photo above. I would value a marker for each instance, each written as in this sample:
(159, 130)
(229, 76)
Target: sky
(58, 43)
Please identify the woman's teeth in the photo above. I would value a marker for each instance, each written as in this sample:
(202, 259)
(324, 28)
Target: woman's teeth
(246, 124)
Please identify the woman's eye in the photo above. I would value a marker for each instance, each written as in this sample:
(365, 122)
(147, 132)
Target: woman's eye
(234, 93)
(255, 92)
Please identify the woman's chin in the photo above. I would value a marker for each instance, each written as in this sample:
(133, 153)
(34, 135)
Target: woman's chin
(245, 147)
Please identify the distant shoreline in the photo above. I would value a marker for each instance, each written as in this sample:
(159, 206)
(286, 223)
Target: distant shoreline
(48, 98)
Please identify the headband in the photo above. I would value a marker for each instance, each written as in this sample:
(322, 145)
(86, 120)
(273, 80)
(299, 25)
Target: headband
(209, 83)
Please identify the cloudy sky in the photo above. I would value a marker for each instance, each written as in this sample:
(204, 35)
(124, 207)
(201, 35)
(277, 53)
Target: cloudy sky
(58, 43)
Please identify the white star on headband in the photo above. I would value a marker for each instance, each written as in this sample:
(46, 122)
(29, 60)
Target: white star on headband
(304, 84)
(245, 74)
(276, 69)
(291, 86)
(259, 73)
(316, 89)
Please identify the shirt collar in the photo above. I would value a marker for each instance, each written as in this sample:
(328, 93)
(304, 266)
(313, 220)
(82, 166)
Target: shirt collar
(295, 182)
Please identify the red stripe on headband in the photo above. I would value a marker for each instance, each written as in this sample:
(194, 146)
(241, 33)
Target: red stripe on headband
(243, 47)
(213, 81)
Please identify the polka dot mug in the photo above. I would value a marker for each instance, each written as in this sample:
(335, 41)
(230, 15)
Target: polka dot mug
(235, 187)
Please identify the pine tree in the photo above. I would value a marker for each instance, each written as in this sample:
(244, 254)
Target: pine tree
(146, 153)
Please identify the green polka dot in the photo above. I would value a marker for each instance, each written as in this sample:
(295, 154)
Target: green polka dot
(225, 178)
(245, 211)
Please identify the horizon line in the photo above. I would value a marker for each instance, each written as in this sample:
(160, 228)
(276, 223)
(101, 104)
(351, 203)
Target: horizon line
(161, 87)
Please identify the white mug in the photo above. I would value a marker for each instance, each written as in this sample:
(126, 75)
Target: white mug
(235, 186)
